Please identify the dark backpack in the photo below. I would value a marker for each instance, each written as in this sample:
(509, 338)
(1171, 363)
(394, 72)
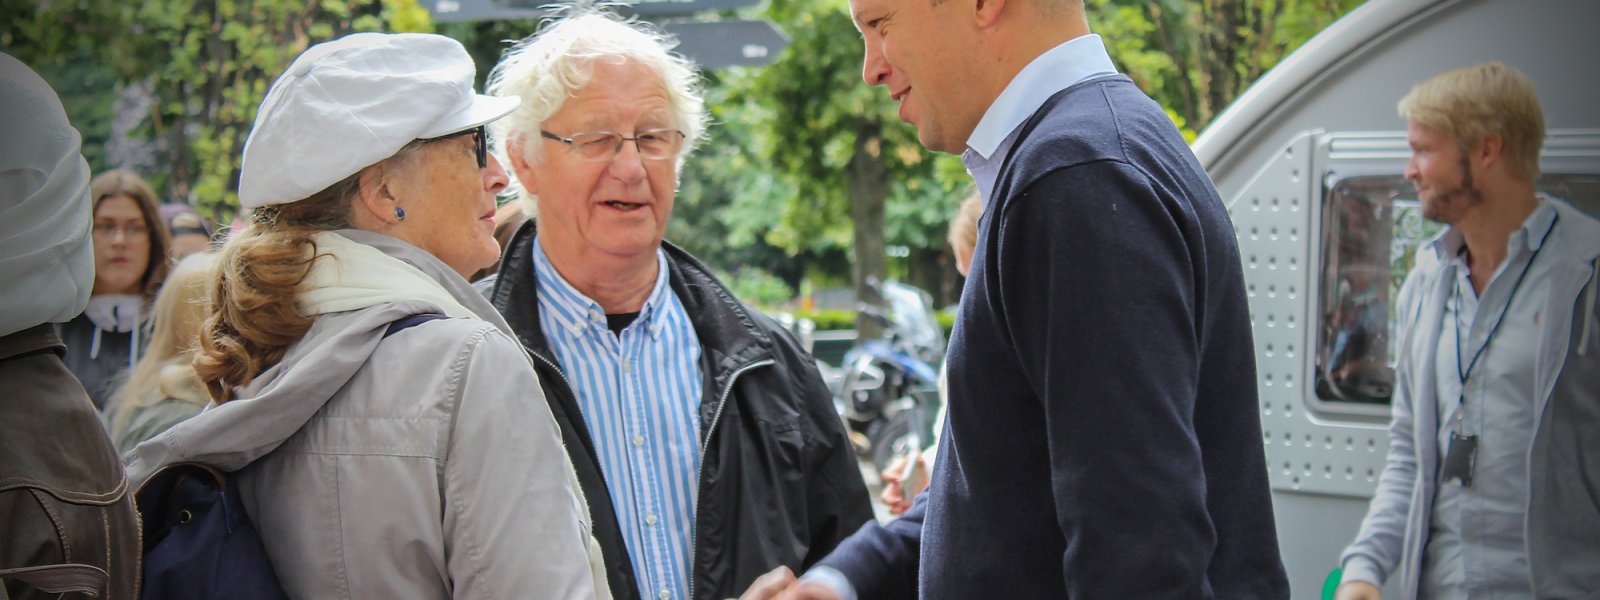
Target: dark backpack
(198, 541)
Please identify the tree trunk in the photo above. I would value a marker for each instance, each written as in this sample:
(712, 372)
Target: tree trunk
(867, 178)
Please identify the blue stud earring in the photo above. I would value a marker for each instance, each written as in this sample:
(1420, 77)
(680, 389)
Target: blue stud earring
(400, 213)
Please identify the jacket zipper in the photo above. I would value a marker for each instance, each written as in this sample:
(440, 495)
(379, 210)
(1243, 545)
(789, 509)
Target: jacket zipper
(597, 466)
(700, 472)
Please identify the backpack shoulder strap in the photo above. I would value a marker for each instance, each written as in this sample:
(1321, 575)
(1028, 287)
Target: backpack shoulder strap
(405, 323)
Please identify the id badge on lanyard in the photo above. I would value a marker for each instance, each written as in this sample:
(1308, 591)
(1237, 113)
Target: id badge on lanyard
(1460, 457)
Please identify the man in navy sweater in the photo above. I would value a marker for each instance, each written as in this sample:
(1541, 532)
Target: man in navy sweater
(1103, 439)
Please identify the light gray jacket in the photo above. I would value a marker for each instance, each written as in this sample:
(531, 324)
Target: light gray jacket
(1563, 522)
(421, 465)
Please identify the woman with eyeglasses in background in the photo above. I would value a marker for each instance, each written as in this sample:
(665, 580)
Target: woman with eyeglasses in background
(130, 264)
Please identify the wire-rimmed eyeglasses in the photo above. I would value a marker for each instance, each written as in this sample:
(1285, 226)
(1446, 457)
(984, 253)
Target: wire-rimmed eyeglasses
(601, 146)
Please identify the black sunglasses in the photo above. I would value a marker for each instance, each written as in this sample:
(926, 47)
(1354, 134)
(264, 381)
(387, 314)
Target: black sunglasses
(480, 137)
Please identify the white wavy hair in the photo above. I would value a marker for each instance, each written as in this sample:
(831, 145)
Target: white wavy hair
(547, 68)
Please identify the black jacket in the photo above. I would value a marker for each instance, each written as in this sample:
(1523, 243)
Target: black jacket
(107, 370)
(779, 483)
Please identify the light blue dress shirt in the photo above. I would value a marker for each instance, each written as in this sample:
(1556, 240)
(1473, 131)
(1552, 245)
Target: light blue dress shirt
(640, 395)
(1073, 62)
(1070, 63)
(1476, 544)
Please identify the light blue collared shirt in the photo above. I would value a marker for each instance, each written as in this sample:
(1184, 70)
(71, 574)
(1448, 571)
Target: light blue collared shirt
(1077, 60)
(1476, 542)
(1064, 66)
(639, 392)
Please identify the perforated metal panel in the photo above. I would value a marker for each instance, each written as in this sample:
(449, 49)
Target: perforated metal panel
(1276, 220)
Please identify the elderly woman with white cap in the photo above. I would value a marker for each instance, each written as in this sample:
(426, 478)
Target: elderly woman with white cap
(389, 438)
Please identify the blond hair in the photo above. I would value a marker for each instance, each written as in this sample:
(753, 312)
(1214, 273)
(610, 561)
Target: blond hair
(1481, 101)
(164, 371)
(964, 227)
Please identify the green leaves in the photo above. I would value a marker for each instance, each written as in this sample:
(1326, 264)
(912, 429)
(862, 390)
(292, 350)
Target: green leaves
(208, 63)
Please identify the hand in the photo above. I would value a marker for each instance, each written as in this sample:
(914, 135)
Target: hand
(809, 590)
(1357, 590)
(780, 584)
(894, 494)
(768, 586)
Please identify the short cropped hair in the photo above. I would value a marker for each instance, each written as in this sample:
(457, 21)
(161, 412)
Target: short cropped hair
(547, 68)
(1490, 99)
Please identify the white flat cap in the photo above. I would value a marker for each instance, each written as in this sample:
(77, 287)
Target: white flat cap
(350, 103)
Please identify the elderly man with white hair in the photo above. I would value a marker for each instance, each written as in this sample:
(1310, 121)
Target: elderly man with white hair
(702, 433)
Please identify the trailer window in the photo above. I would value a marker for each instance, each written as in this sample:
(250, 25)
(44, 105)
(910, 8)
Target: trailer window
(1372, 227)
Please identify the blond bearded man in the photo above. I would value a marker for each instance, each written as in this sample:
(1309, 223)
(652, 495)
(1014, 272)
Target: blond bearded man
(1487, 492)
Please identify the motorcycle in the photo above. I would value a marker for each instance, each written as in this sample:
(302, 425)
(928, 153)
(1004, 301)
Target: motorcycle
(888, 393)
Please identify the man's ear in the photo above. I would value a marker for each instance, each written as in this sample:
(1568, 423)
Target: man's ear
(1489, 152)
(516, 152)
(986, 12)
(375, 201)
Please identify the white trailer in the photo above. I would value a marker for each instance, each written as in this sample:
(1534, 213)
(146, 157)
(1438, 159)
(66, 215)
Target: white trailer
(1310, 162)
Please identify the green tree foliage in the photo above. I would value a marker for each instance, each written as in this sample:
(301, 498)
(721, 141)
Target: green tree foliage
(208, 64)
(826, 162)
(807, 172)
(1195, 57)
(805, 157)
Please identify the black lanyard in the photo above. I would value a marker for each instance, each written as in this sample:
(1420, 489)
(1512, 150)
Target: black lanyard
(1455, 296)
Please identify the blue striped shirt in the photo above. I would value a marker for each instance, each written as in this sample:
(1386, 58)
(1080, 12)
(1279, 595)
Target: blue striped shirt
(640, 396)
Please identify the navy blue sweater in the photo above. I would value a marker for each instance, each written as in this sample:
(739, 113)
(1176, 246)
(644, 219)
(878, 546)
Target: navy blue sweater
(1103, 438)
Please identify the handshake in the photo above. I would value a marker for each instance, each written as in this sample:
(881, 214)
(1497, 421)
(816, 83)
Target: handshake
(781, 584)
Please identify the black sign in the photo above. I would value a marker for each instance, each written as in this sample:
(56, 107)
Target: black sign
(446, 11)
(487, 10)
(711, 45)
(717, 44)
(653, 8)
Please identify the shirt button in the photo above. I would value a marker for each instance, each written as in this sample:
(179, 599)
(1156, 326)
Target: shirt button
(665, 595)
(638, 440)
(627, 366)
(650, 520)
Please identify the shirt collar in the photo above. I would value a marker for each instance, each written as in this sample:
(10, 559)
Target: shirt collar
(1534, 229)
(576, 312)
(1063, 66)
(1447, 245)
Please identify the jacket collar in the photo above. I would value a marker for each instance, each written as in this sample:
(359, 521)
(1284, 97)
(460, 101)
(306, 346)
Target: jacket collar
(729, 335)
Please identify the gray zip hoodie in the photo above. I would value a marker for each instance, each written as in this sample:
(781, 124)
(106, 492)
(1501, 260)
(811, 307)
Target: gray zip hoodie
(423, 465)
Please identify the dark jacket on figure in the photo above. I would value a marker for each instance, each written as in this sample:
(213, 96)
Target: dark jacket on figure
(1103, 439)
(100, 359)
(64, 499)
(779, 482)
